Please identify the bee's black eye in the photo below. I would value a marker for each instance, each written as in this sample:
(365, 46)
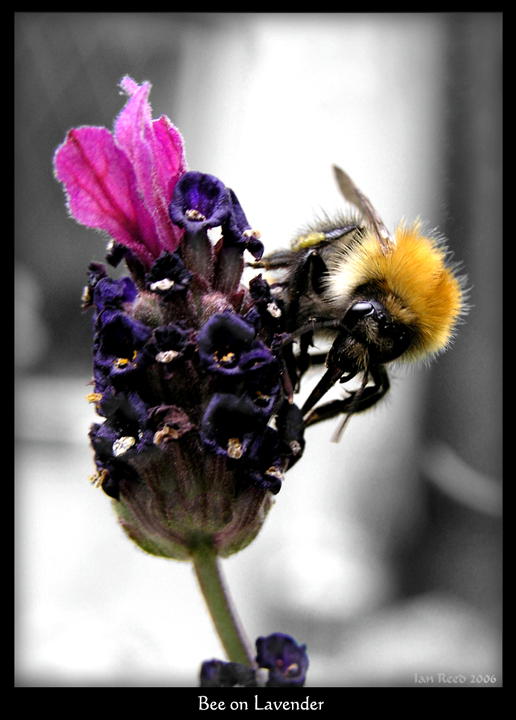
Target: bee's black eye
(357, 312)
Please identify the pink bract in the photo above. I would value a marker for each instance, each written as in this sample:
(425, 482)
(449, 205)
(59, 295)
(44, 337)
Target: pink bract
(123, 182)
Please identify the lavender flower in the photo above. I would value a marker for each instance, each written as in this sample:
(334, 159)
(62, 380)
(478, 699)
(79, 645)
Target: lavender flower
(199, 426)
(201, 202)
(216, 673)
(286, 661)
(168, 277)
(188, 373)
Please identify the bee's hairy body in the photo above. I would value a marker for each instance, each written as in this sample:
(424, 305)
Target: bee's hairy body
(381, 297)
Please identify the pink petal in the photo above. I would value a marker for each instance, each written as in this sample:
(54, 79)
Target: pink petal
(128, 85)
(102, 190)
(169, 165)
(168, 151)
(132, 125)
(155, 149)
(132, 128)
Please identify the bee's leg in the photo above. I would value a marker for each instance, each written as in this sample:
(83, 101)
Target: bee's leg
(306, 279)
(356, 402)
(288, 370)
(328, 380)
(304, 359)
(277, 260)
(313, 359)
(307, 272)
(318, 358)
(335, 371)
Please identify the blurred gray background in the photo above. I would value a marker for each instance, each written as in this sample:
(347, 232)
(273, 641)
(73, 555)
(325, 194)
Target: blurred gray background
(382, 553)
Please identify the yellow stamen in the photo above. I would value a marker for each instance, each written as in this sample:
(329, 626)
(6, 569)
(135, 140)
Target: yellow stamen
(122, 445)
(166, 356)
(166, 432)
(226, 359)
(194, 214)
(98, 478)
(235, 450)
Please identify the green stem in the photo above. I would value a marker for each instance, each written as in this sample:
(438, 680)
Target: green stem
(220, 606)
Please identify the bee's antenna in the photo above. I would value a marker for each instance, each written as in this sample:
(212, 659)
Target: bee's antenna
(339, 431)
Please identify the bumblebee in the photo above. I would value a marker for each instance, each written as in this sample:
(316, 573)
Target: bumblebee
(382, 297)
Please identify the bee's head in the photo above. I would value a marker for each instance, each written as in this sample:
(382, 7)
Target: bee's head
(417, 297)
(372, 336)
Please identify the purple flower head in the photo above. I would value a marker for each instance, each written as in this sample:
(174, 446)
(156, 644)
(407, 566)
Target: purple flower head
(125, 432)
(170, 344)
(270, 308)
(119, 346)
(262, 380)
(170, 423)
(202, 201)
(199, 202)
(286, 661)
(228, 347)
(189, 370)
(107, 293)
(168, 276)
(233, 426)
(216, 673)
(121, 437)
(96, 272)
(237, 232)
(115, 253)
(224, 343)
(113, 293)
(110, 472)
(230, 425)
(263, 463)
(122, 182)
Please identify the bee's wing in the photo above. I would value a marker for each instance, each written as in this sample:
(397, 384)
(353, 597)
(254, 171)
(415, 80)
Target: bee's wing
(353, 195)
